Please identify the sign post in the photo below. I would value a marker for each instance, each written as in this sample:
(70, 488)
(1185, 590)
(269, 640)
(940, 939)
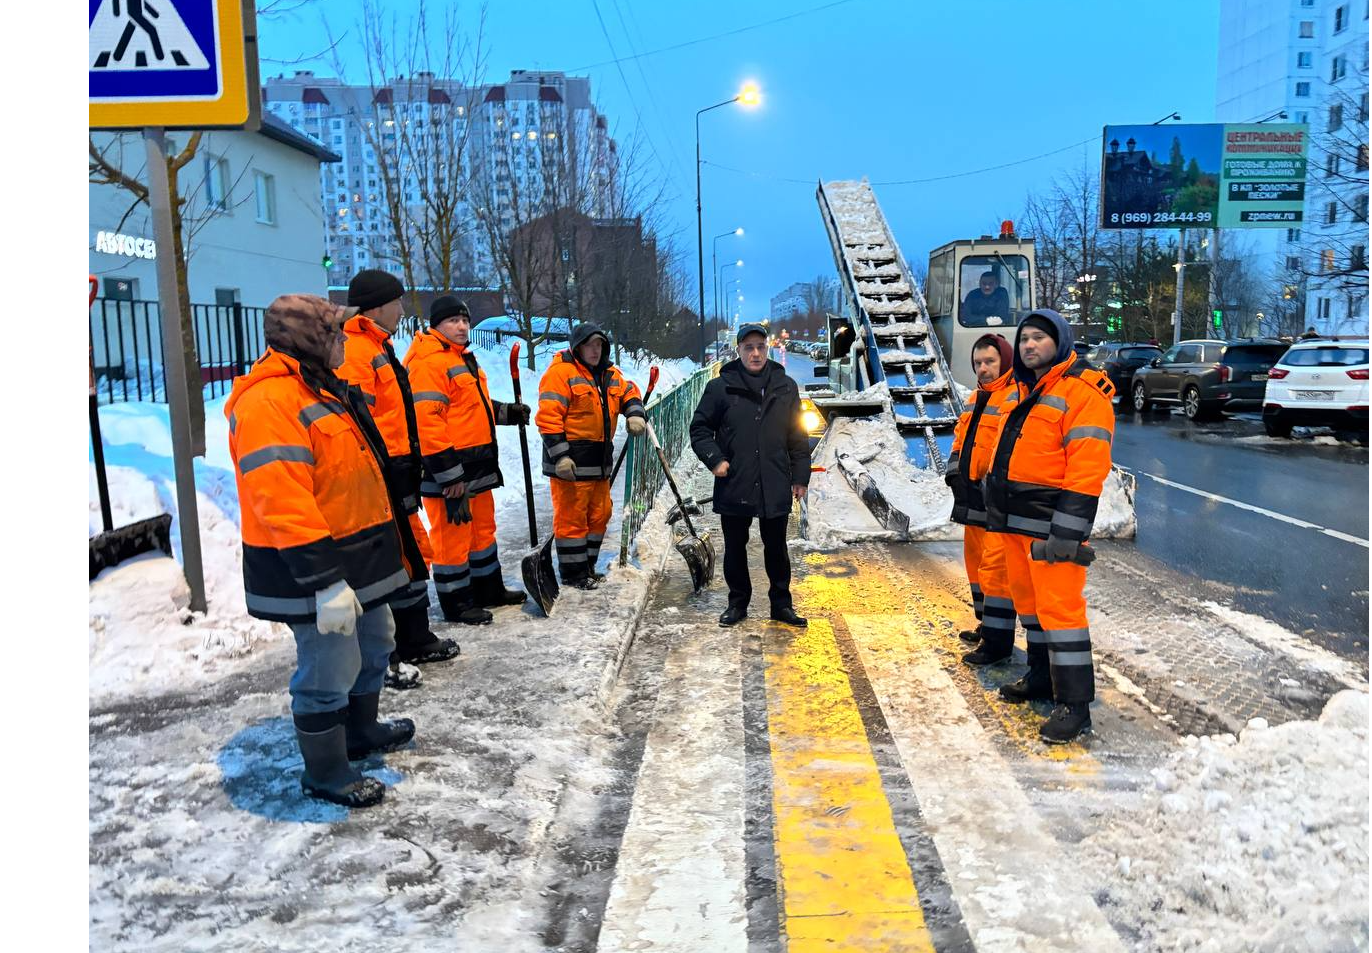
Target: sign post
(192, 64)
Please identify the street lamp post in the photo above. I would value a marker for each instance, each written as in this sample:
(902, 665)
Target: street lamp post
(714, 266)
(748, 96)
(725, 286)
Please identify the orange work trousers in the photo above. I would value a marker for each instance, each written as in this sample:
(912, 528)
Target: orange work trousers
(460, 552)
(581, 511)
(1051, 602)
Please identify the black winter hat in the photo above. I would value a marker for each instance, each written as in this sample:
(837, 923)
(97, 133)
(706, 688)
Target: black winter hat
(1043, 324)
(372, 287)
(447, 306)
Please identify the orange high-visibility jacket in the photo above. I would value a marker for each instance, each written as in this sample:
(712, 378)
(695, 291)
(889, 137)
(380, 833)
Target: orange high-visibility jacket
(1053, 453)
(370, 362)
(578, 413)
(967, 465)
(314, 507)
(456, 416)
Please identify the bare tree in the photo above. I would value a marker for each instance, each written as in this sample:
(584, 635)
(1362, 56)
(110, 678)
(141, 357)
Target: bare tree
(1064, 221)
(1334, 258)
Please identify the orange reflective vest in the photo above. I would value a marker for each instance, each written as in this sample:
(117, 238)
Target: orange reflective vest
(313, 501)
(1053, 453)
(578, 412)
(968, 464)
(455, 415)
(369, 361)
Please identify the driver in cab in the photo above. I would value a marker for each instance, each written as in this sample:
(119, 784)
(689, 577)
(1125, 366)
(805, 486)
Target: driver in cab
(985, 302)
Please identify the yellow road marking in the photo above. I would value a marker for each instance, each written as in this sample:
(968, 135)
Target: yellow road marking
(845, 882)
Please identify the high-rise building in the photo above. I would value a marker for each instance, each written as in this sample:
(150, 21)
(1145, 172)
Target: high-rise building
(790, 302)
(425, 160)
(1294, 61)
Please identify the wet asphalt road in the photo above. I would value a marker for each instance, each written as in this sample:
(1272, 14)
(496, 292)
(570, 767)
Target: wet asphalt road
(1312, 582)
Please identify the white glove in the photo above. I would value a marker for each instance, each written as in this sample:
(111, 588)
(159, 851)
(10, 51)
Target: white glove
(565, 468)
(337, 609)
(635, 426)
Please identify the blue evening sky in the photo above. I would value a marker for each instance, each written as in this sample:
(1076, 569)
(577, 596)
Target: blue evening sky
(889, 90)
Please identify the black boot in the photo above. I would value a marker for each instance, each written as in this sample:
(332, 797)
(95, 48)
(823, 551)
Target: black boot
(415, 643)
(1036, 686)
(788, 615)
(328, 776)
(990, 651)
(733, 615)
(490, 590)
(579, 579)
(402, 676)
(367, 735)
(972, 635)
(460, 608)
(1067, 721)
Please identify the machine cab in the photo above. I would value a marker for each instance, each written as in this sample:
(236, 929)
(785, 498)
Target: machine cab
(978, 286)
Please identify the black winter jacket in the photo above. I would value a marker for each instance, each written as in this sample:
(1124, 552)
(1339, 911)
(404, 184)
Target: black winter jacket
(767, 449)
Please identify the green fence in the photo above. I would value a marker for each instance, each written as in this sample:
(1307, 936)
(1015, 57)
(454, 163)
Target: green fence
(643, 477)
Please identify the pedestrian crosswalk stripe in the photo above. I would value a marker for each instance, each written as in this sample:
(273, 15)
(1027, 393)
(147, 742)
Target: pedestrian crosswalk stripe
(998, 856)
(680, 879)
(132, 35)
(842, 872)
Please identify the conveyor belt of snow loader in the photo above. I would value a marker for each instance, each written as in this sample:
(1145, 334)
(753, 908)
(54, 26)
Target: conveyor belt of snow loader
(888, 312)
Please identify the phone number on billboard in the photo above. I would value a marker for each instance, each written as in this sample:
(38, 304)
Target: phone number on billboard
(1158, 218)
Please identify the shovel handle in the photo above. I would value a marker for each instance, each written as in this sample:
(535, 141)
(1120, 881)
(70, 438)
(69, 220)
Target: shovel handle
(652, 382)
(524, 449)
(667, 471)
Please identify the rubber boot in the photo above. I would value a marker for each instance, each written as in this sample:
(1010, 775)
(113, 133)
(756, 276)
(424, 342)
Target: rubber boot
(578, 579)
(1067, 721)
(993, 649)
(328, 776)
(489, 591)
(1037, 683)
(415, 643)
(366, 735)
(402, 676)
(971, 635)
(459, 608)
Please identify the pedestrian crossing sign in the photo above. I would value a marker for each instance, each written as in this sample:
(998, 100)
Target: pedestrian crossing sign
(173, 64)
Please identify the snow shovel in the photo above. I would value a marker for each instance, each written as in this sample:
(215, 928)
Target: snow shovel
(652, 382)
(536, 567)
(113, 546)
(694, 548)
(689, 505)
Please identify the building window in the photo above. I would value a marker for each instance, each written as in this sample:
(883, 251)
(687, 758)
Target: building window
(1322, 308)
(1362, 108)
(1307, 29)
(264, 187)
(1335, 118)
(1303, 90)
(1331, 166)
(1357, 258)
(1293, 263)
(1341, 18)
(1331, 213)
(1360, 208)
(1326, 261)
(1338, 67)
(1302, 116)
(217, 182)
(1362, 157)
(1293, 234)
(1305, 60)
(1307, 3)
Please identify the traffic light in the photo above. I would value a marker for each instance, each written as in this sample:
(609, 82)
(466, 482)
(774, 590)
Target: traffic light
(1218, 315)
(327, 260)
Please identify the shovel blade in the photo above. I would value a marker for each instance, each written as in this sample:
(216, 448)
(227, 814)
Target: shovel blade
(699, 554)
(540, 581)
(145, 536)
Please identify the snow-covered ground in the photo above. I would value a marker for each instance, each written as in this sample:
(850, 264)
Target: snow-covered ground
(1254, 843)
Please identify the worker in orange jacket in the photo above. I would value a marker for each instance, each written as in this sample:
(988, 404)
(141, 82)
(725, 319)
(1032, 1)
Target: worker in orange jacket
(322, 545)
(974, 439)
(457, 420)
(580, 399)
(370, 362)
(1041, 491)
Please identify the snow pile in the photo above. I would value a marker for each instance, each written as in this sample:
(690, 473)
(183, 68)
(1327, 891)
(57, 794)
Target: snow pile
(1276, 835)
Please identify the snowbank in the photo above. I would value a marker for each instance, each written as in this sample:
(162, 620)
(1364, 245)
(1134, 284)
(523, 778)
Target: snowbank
(1276, 831)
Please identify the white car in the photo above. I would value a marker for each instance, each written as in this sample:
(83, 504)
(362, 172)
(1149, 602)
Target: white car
(1321, 382)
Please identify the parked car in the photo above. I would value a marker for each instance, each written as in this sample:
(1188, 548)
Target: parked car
(1205, 377)
(1119, 360)
(1319, 382)
(820, 353)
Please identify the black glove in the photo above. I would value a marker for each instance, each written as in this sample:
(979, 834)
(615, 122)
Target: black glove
(1055, 549)
(459, 510)
(516, 414)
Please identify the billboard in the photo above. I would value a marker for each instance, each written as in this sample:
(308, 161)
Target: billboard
(1208, 175)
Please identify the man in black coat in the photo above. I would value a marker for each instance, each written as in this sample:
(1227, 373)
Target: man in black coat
(747, 430)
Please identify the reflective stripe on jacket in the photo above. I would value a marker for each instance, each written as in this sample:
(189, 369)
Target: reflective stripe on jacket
(1053, 453)
(367, 362)
(578, 413)
(313, 501)
(967, 465)
(455, 415)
